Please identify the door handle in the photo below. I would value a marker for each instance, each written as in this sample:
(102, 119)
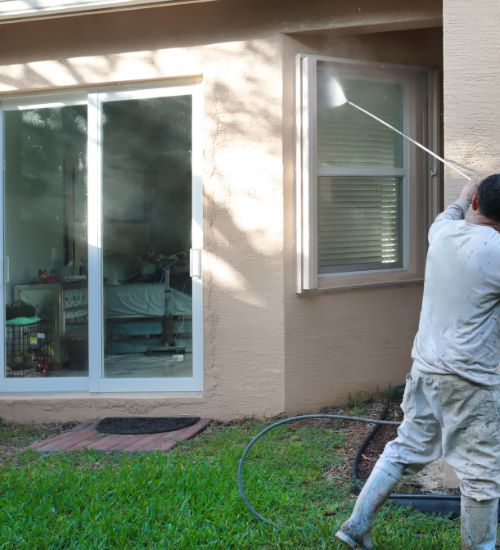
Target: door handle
(6, 269)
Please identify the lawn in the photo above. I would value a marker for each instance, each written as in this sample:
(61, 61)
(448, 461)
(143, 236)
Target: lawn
(298, 475)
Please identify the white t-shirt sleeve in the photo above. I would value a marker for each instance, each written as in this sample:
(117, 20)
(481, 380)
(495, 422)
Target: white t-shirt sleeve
(456, 211)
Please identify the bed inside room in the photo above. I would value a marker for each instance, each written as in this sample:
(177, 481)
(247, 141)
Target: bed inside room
(147, 304)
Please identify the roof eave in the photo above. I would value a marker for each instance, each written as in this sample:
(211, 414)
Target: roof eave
(20, 10)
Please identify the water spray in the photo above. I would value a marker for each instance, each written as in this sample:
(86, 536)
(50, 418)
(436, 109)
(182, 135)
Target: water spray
(337, 98)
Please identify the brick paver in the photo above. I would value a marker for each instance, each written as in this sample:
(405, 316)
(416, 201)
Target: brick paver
(85, 436)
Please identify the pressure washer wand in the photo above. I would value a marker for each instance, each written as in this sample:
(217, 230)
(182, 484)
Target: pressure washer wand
(337, 98)
(447, 163)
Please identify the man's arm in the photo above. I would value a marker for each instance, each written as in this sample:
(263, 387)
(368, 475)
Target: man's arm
(458, 209)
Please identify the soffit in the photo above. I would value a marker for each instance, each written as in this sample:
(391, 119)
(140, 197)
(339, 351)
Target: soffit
(28, 9)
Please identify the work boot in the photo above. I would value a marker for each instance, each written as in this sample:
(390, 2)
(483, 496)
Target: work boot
(479, 523)
(355, 532)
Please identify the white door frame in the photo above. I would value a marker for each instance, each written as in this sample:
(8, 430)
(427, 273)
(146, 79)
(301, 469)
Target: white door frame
(96, 382)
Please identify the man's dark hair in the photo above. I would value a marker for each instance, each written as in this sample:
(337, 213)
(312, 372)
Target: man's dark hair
(488, 197)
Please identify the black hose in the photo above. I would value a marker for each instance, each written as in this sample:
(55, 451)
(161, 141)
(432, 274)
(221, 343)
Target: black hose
(396, 393)
(288, 421)
(428, 503)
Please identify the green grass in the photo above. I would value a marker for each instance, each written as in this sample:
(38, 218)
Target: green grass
(189, 498)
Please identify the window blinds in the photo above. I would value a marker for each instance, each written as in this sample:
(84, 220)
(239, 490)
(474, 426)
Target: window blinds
(360, 166)
(359, 223)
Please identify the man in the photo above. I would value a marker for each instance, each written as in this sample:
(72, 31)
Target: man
(451, 403)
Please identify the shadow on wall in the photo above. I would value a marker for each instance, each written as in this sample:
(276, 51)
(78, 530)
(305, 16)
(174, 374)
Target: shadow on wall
(243, 204)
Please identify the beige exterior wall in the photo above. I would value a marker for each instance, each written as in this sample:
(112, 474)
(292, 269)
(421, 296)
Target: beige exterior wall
(266, 349)
(471, 82)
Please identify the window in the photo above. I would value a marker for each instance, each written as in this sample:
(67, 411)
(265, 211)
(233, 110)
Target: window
(361, 188)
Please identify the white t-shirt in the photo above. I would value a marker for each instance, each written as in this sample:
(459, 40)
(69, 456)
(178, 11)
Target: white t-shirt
(459, 330)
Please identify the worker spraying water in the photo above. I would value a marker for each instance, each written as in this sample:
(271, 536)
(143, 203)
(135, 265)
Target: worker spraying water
(451, 402)
(452, 395)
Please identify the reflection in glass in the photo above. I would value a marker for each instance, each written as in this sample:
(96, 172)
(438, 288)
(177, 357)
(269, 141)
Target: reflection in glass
(147, 237)
(46, 242)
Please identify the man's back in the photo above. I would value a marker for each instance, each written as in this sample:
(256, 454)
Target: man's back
(459, 331)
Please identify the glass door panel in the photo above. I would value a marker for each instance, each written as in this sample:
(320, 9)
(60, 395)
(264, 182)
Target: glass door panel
(45, 242)
(146, 237)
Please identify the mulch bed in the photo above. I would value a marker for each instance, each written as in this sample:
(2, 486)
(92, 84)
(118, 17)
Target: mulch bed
(409, 484)
(383, 435)
(354, 433)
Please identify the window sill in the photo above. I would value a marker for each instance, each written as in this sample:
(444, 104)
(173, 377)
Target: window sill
(330, 283)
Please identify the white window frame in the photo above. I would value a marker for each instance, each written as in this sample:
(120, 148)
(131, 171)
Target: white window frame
(95, 382)
(307, 174)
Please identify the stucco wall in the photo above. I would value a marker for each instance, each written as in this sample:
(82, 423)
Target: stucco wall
(236, 48)
(471, 82)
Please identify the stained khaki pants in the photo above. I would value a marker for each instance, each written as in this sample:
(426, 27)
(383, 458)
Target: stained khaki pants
(447, 416)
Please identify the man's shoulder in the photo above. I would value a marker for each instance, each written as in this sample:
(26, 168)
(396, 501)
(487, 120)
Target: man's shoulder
(449, 227)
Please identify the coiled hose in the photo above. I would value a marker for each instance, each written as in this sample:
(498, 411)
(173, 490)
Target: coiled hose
(288, 421)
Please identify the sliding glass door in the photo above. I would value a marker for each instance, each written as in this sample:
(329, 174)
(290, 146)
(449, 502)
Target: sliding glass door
(101, 238)
(146, 236)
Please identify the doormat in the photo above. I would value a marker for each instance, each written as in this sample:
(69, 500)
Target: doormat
(144, 425)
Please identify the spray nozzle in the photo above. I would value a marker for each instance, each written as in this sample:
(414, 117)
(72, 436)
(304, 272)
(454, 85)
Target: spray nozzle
(336, 95)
